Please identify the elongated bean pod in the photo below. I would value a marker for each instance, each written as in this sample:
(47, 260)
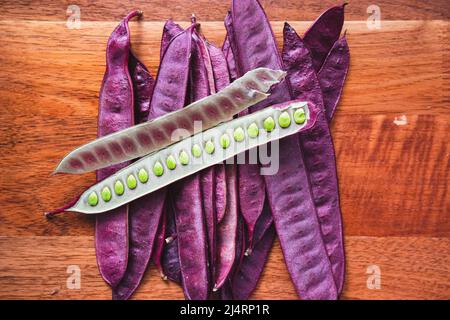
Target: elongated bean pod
(231, 49)
(143, 84)
(191, 238)
(264, 222)
(226, 235)
(198, 143)
(170, 257)
(221, 80)
(146, 212)
(170, 30)
(158, 246)
(318, 151)
(220, 192)
(288, 191)
(247, 275)
(188, 201)
(332, 75)
(248, 271)
(231, 64)
(323, 33)
(219, 67)
(142, 139)
(251, 184)
(115, 113)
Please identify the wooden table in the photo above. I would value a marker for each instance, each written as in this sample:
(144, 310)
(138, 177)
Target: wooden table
(394, 175)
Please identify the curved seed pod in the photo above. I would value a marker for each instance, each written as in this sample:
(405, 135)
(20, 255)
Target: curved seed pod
(166, 94)
(207, 193)
(288, 191)
(226, 289)
(142, 139)
(115, 113)
(217, 188)
(251, 183)
(144, 221)
(226, 234)
(332, 75)
(323, 33)
(209, 150)
(219, 67)
(170, 258)
(221, 80)
(297, 226)
(230, 46)
(206, 59)
(264, 222)
(241, 239)
(247, 275)
(158, 246)
(220, 192)
(318, 151)
(252, 192)
(191, 238)
(190, 218)
(170, 30)
(230, 60)
(143, 84)
(146, 212)
(255, 46)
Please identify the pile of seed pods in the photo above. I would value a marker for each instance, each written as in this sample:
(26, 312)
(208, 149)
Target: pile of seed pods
(201, 168)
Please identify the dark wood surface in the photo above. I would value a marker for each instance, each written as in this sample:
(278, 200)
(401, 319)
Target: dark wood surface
(393, 178)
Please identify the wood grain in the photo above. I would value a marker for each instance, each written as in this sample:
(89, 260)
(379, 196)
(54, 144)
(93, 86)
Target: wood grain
(207, 10)
(370, 148)
(393, 178)
(418, 271)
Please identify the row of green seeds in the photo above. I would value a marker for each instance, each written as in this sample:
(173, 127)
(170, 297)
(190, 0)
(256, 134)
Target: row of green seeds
(284, 121)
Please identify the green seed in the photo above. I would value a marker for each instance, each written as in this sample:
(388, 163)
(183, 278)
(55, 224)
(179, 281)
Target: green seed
(209, 147)
(269, 124)
(184, 157)
(143, 175)
(119, 188)
(225, 141)
(131, 181)
(196, 151)
(239, 134)
(106, 194)
(253, 130)
(284, 119)
(93, 199)
(158, 169)
(299, 116)
(171, 162)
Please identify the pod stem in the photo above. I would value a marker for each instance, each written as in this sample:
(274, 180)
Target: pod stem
(64, 208)
(132, 14)
(193, 18)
